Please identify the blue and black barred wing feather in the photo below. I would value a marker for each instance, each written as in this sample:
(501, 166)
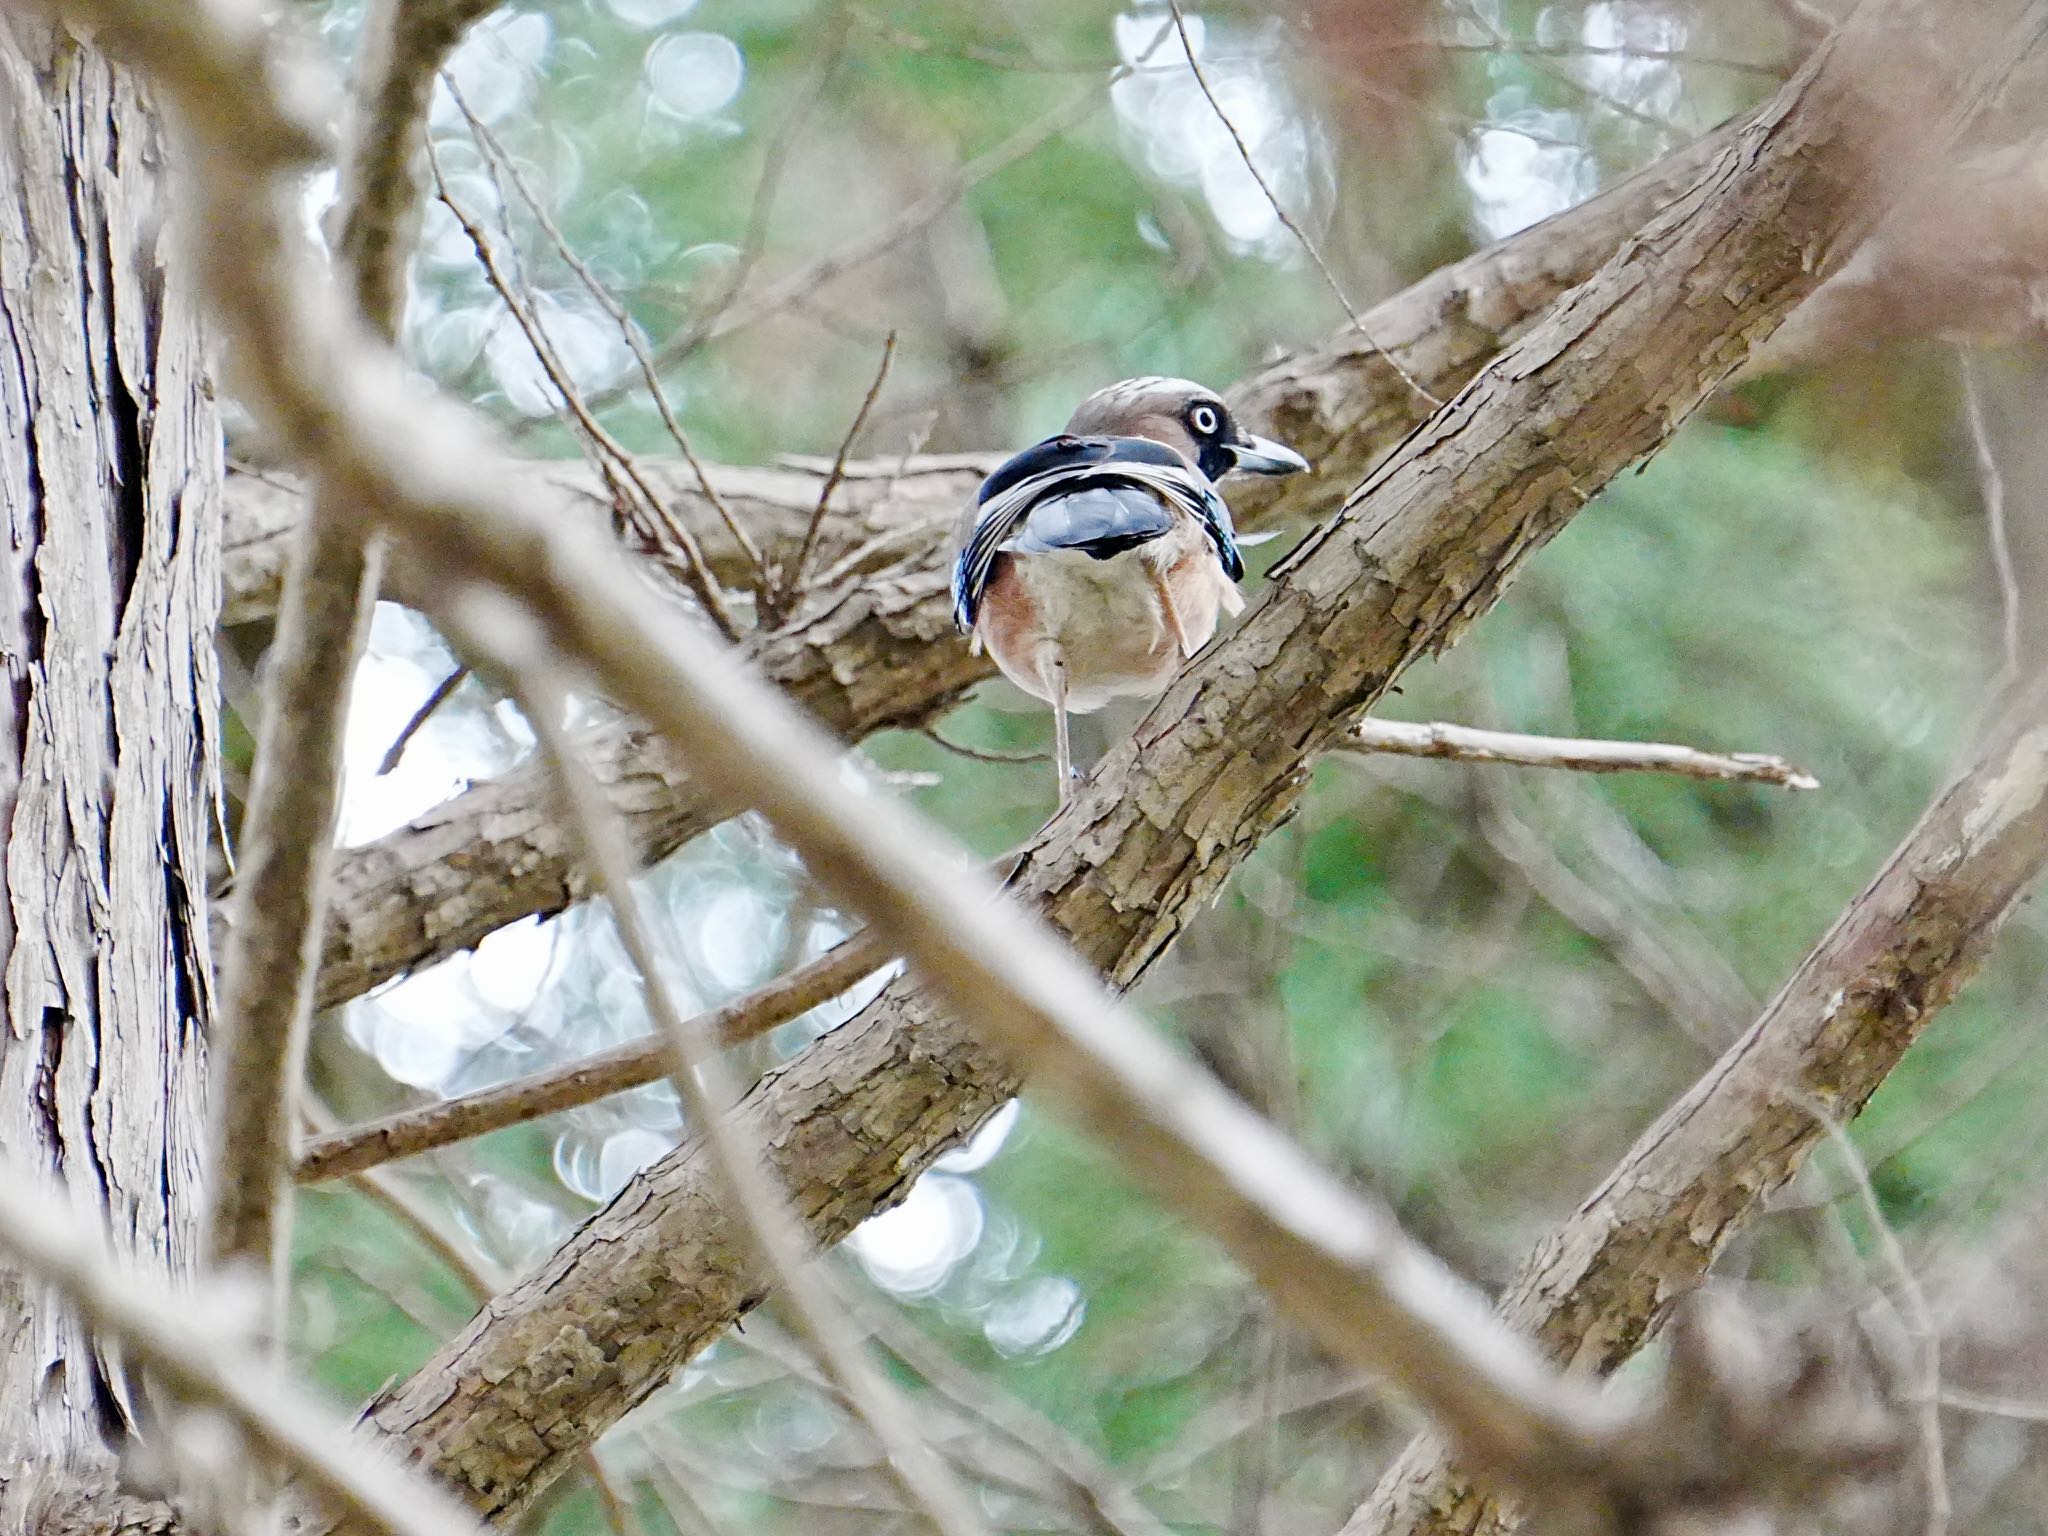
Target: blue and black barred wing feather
(1099, 496)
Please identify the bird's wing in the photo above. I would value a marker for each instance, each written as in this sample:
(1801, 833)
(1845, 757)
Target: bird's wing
(1016, 507)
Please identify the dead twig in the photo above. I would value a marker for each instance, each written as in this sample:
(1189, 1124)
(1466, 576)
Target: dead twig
(637, 496)
(587, 1079)
(1914, 1312)
(443, 690)
(510, 636)
(636, 341)
(1467, 744)
(1244, 152)
(790, 586)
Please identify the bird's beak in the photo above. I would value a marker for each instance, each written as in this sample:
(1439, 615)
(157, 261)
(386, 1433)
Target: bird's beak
(1262, 456)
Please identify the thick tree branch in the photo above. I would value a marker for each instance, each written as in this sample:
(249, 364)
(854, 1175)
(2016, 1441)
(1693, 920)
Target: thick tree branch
(878, 649)
(203, 1362)
(1425, 547)
(1595, 1289)
(286, 847)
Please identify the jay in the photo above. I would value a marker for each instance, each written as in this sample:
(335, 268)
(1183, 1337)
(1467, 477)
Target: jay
(1093, 564)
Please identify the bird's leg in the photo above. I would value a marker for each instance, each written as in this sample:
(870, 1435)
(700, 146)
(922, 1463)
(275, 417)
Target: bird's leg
(1052, 671)
(1164, 592)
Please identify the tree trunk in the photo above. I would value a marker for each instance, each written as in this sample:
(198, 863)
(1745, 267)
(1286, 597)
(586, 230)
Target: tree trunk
(110, 468)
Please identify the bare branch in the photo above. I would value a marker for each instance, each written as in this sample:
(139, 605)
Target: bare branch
(415, 722)
(588, 1079)
(1170, 813)
(1595, 1289)
(1914, 1313)
(1467, 744)
(405, 43)
(636, 342)
(280, 899)
(201, 1361)
(497, 627)
(791, 585)
(1991, 478)
(634, 496)
(1244, 153)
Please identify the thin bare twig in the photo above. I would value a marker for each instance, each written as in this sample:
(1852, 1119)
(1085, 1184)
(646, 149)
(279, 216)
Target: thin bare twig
(1468, 744)
(587, 1079)
(787, 590)
(635, 491)
(1992, 479)
(1111, 1500)
(1914, 1311)
(849, 255)
(196, 1355)
(2026, 1410)
(635, 339)
(938, 738)
(443, 690)
(707, 1093)
(1244, 152)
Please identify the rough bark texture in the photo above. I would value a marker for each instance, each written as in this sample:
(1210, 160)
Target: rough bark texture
(109, 491)
(1595, 1289)
(879, 650)
(1423, 548)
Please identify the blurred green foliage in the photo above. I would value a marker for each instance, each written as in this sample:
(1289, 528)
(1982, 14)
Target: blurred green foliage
(1801, 572)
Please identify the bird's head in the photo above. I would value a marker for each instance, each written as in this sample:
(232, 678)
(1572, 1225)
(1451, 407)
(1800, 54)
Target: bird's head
(1188, 418)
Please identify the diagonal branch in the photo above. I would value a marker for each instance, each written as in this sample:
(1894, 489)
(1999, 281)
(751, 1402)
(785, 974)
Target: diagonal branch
(881, 651)
(634, 1064)
(1596, 1288)
(163, 1331)
(280, 899)
(1426, 546)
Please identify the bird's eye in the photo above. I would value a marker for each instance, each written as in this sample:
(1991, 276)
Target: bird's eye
(1205, 420)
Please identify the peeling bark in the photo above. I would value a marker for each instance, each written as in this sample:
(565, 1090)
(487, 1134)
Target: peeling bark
(109, 484)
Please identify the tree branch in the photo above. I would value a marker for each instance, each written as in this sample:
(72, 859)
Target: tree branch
(202, 1362)
(410, 1132)
(881, 651)
(1596, 1289)
(1426, 546)
(286, 847)
(1465, 744)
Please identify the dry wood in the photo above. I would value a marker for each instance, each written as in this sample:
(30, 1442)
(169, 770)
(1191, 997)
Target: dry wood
(879, 650)
(1595, 1289)
(109, 492)
(1425, 548)
(590, 1078)
(1465, 744)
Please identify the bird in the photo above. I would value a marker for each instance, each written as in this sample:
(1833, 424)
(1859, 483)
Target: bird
(1094, 563)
